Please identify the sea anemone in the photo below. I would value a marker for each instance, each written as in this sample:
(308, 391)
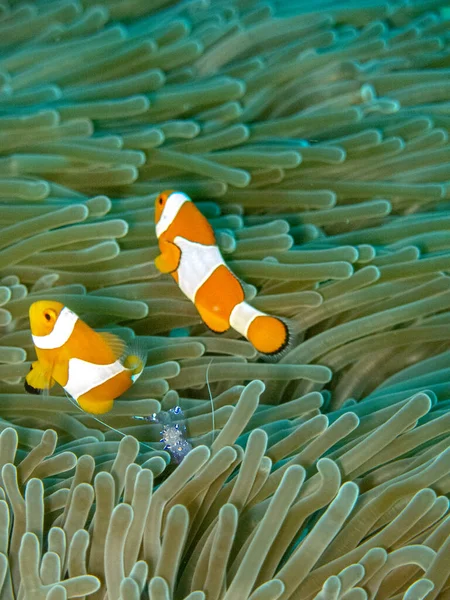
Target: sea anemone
(316, 143)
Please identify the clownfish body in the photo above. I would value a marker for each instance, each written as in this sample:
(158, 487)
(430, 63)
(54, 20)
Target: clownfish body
(190, 254)
(93, 368)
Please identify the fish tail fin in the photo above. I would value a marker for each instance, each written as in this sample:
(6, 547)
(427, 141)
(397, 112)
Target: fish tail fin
(135, 358)
(271, 336)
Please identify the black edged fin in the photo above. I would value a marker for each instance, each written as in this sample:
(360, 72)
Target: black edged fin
(209, 319)
(37, 380)
(169, 260)
(177, 250)
(284, 349)
(30, 389)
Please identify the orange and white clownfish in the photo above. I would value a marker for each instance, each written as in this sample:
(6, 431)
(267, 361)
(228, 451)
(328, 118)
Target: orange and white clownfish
(93, 368)
(190, 254)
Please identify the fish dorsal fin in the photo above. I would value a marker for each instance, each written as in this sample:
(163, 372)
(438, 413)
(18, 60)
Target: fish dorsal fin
(114, 342)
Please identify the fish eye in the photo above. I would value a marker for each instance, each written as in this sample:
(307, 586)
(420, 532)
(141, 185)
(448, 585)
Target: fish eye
(160, 200)
(50, 315)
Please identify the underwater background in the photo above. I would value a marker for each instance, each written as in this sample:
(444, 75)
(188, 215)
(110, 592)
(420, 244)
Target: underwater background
(315, 138)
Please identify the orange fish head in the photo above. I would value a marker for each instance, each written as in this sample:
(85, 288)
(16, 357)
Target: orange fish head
(160, 203)
(43, 316)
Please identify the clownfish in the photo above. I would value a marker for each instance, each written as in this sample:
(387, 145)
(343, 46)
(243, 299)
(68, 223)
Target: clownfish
(93, 368)
(190, 254)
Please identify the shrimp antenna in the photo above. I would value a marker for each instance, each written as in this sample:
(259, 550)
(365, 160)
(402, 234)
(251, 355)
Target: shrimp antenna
(213, 422)
(102, 422)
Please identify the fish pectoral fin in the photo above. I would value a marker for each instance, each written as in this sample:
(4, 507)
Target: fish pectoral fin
(136, 358)
(38, 379)
(212, 320)
(169, 259)
(115, 343)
